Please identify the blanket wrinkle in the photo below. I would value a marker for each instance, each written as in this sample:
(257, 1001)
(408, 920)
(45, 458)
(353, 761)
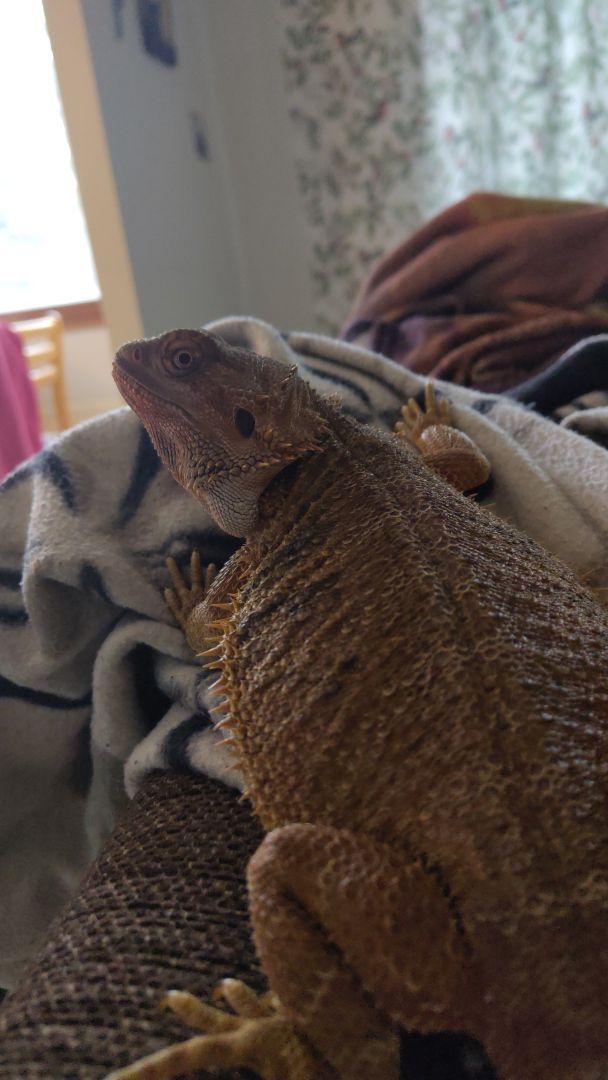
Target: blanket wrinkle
(97, 685)
(489, 292)
(578, 379)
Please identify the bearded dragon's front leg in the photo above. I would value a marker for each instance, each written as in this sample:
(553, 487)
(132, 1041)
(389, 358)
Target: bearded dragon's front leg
(448, 451)
(200, 606)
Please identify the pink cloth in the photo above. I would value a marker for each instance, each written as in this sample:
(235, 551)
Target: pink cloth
(19, 423)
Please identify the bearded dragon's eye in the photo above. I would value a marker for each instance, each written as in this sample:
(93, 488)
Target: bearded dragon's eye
(244, 422)
(180, 361)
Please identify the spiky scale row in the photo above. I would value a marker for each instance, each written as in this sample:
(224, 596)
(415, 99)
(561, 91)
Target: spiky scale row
(218, 686)
(215, 650)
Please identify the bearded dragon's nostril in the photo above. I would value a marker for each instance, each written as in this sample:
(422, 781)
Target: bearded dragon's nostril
(136, 354)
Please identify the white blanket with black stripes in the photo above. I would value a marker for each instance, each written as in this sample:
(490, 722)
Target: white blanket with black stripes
(97, 686)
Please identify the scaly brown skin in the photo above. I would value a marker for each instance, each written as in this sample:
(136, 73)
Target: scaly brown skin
(418, 701)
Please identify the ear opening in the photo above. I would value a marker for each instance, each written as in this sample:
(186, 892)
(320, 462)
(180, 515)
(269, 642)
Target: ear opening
(244, 422)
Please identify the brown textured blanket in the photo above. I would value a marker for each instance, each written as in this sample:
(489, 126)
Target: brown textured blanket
(490, 291)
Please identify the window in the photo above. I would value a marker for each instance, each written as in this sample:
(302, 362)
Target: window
(45, 255)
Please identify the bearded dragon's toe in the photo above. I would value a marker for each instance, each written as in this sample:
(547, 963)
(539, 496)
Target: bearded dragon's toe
(196, 1013)
(244, 1000)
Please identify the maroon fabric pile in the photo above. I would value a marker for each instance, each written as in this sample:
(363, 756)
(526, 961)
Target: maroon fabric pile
(490, 292)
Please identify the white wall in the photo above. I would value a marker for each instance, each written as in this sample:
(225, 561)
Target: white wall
(205, 238)
(174, 205)
(243, 40)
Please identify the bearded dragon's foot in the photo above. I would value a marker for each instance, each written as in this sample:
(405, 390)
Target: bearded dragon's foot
(183, 598)
(416, 420)
(260, 1037)
(449, 452)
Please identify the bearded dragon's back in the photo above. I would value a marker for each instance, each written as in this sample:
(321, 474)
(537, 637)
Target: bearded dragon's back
(431, 667)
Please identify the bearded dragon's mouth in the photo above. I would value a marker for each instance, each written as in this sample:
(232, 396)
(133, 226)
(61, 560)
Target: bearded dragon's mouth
(135, 392)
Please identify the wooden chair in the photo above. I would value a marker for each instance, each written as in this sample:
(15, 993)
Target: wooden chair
(42, 342)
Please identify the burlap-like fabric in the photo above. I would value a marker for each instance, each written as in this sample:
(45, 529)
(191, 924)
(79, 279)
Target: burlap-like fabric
(164, 906)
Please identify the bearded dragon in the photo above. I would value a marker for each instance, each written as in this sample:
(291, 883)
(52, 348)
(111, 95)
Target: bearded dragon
(417, 698)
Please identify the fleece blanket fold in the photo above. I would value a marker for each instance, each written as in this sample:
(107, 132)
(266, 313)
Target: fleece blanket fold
(97, 686)
(490, 291)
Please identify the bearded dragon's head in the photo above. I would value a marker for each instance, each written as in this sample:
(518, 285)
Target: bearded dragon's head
(224, 420)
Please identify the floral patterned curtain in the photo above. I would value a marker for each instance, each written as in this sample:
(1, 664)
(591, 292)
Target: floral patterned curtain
(401, 107)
